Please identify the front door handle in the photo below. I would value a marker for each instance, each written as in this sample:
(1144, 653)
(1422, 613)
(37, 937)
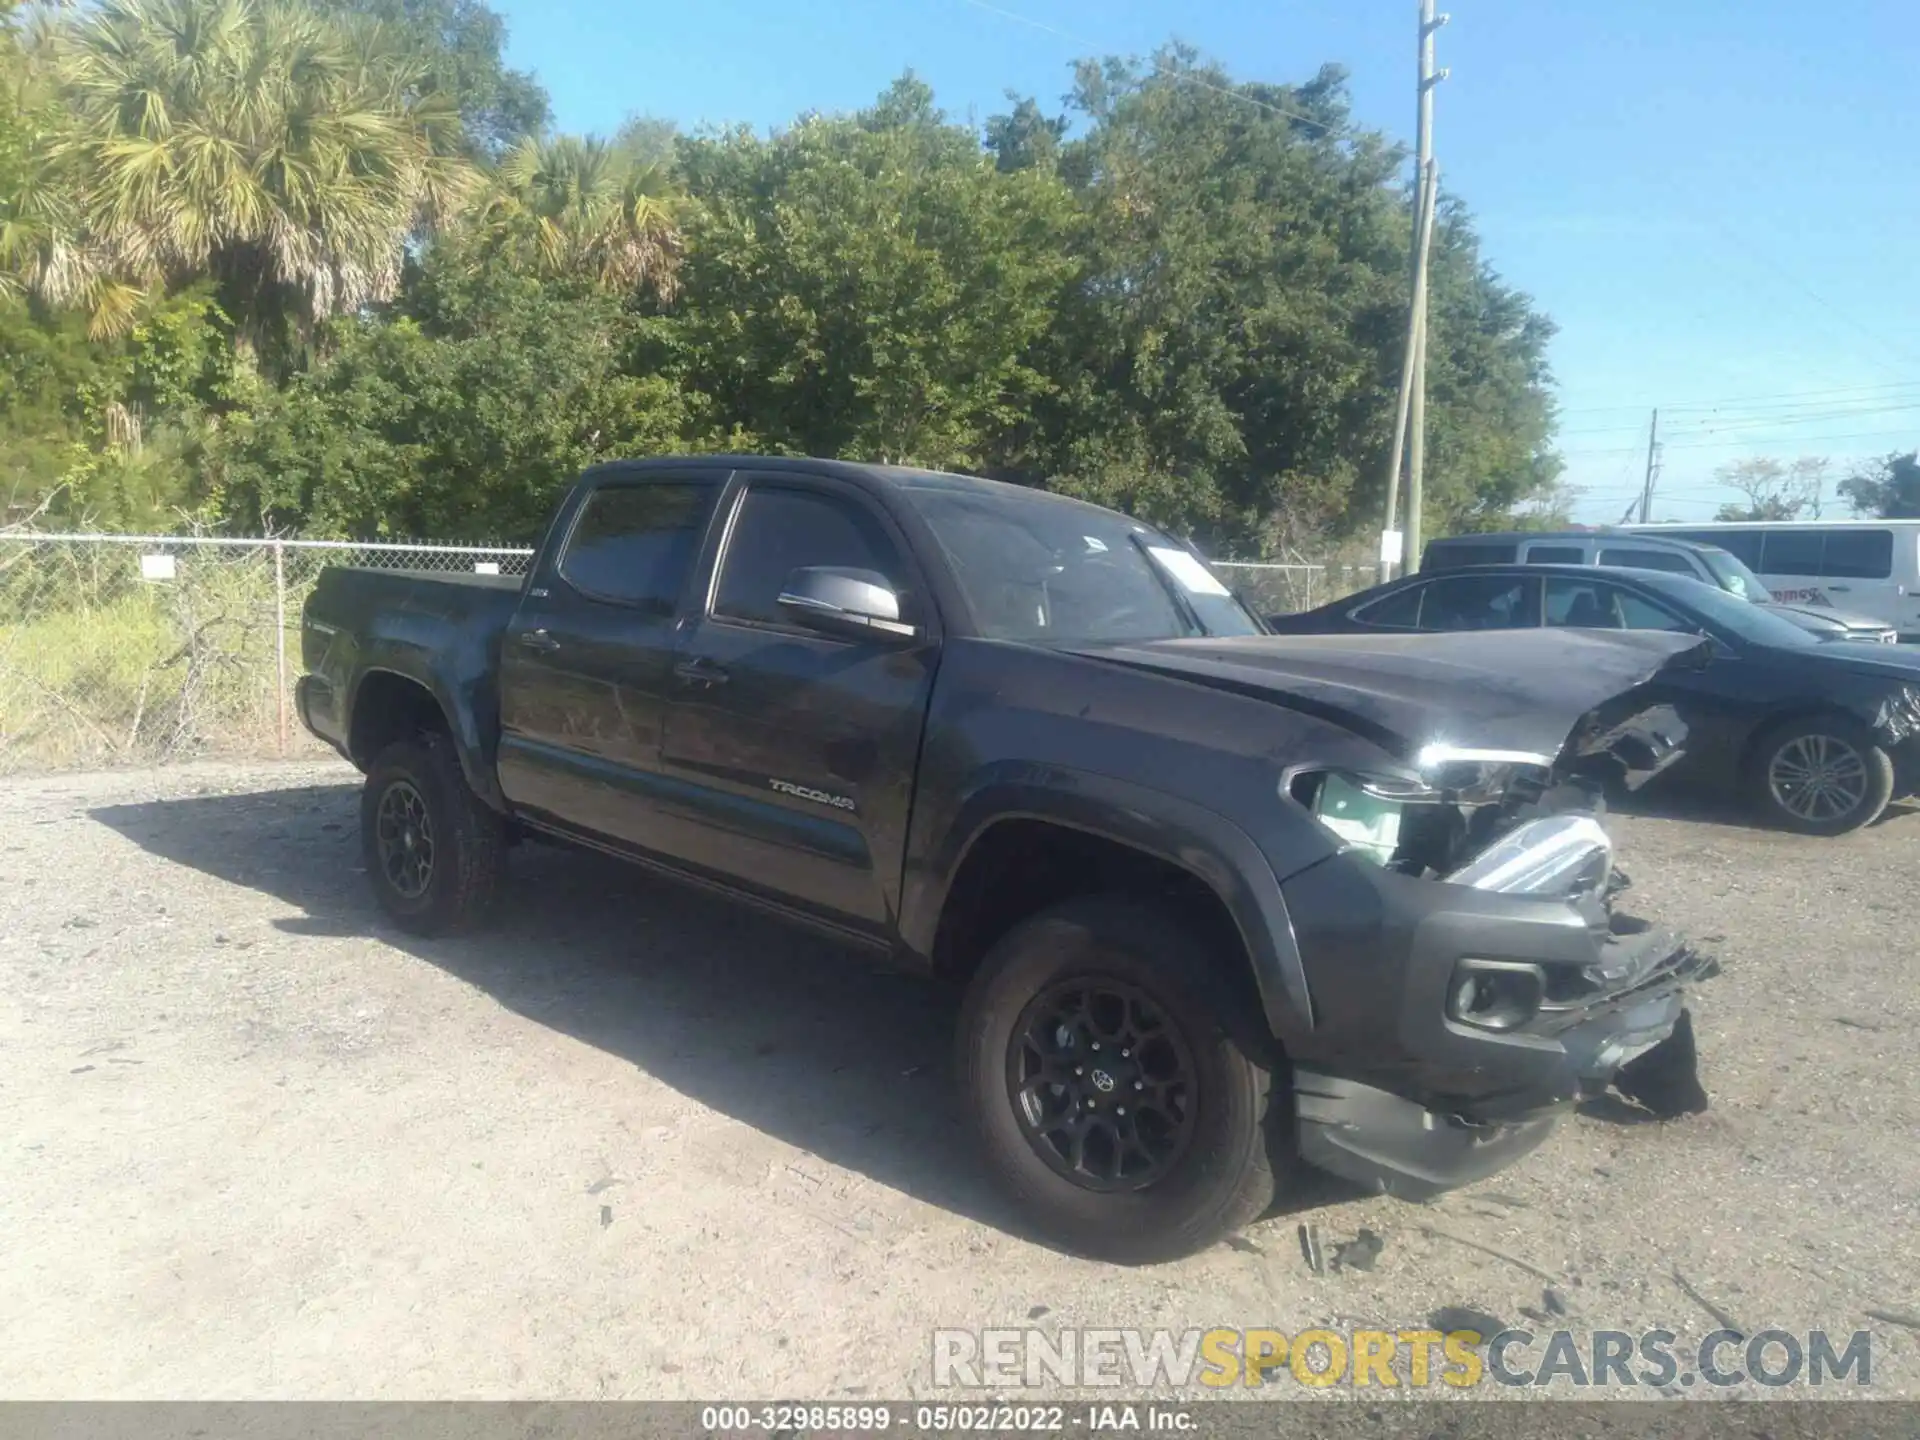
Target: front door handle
(1841, 588)
(698, 670)
(539, 640)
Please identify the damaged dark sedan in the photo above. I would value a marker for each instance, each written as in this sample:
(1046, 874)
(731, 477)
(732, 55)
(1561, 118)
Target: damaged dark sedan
(1219, 904)
(1816, 737)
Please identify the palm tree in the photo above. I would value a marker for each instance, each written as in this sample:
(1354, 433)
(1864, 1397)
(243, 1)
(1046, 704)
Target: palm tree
(587, 208)
(287, 153)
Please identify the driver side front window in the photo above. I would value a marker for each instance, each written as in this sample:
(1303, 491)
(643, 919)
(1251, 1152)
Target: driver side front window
(780, 529)
(1588, 605)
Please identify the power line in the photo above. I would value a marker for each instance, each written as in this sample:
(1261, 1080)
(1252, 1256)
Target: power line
(1753, 442)
(1746, 401)
(1754, 253)
(1758, 420)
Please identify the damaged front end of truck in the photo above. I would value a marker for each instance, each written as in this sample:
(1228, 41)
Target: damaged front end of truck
(1471, 972)
(1526, 986)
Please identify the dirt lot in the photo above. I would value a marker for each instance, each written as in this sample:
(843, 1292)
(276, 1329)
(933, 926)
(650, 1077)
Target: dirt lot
(636, 1144)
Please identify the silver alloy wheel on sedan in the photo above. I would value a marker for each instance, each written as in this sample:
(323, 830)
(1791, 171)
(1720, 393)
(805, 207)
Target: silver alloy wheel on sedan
(1819, 778)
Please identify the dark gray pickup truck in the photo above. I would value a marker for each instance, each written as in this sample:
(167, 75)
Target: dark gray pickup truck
(1221, 902)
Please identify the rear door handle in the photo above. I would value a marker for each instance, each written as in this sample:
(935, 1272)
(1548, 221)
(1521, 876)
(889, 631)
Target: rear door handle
(539, 640)
(698, 670)
(1841, 588)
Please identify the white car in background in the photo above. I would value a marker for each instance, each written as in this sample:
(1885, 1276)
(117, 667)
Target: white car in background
(1867, 567)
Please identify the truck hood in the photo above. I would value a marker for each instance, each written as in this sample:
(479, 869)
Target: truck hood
(1523, 693)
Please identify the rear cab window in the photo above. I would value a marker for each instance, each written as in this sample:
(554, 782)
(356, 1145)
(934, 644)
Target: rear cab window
(633, 543)
(1648, 558)
(1556, 555)
(1454, 554)
(1743, 545)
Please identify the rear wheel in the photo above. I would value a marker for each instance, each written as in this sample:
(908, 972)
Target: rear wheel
(1113, 1105)
(1824, 775)
(435, 853)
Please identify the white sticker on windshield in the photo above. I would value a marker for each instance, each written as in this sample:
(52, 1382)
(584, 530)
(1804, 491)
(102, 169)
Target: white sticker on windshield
(1095, 545)
(1191, 574)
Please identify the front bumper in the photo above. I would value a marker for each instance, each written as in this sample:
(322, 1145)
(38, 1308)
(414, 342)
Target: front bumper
(1392, 1093)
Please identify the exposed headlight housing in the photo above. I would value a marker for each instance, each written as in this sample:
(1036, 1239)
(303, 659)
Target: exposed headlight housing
(1561, 857)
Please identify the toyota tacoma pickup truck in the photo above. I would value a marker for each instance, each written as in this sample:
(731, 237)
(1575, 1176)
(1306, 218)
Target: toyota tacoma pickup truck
(1220, 904)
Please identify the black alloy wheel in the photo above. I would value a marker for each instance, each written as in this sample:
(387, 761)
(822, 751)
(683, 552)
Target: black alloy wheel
(404, 837)
(435, 853)
(1103, 1084)
(1117, 1085)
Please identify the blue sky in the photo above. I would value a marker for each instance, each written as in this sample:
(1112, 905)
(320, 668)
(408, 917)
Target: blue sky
(1717, 200)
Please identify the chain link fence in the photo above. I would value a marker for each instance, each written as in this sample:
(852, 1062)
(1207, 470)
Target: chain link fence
(1283, 589)
(122, 649)
(118, 649)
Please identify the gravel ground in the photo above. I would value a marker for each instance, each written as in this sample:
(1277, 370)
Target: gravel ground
(633, 1143)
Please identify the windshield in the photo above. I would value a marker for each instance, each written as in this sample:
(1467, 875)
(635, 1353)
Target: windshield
(1733, 576)
(1745, 619)
(1037, 568)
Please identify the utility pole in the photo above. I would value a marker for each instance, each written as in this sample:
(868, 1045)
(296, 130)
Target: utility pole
(1410, 423)
(1653, 468)
(1410, 361)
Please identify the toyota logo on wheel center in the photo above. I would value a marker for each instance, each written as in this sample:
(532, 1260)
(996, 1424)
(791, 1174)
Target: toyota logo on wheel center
(1102, 1081)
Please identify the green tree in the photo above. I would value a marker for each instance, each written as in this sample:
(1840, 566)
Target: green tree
(284, 152)
(1227, 364)
(870, 287)
(1889, 489)
(459, 44)
(1025, 138)
(1775, 490)
(462, 416)
(573, 207)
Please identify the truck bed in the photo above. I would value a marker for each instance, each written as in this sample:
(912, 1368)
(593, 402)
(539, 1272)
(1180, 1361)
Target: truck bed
(436, 628)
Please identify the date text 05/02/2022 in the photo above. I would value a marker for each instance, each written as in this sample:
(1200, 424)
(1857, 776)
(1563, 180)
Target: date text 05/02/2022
(788, 1418)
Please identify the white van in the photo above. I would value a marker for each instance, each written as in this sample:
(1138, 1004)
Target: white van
(1871, 567)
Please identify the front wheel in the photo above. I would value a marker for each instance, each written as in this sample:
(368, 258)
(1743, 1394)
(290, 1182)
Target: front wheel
(1112, 1103)
(1825, 775)
(435, 853)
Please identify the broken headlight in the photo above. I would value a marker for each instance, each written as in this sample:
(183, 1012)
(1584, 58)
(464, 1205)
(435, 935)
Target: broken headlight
(1561, 857)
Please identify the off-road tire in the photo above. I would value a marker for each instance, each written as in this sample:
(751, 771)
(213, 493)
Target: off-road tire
(1223, 1179)
(1876, 774)
(470, 839)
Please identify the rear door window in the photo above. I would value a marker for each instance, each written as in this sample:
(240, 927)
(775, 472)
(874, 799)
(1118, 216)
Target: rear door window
(1481, 602)
(1791, 552)
(634, 544)
(1556, 555)
(1857, 555)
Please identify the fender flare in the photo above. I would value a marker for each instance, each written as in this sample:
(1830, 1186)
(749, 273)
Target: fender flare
(1207, 846)
(463, 723)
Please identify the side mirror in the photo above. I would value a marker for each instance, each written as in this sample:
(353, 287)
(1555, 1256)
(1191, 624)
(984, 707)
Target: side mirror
(856, 604)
